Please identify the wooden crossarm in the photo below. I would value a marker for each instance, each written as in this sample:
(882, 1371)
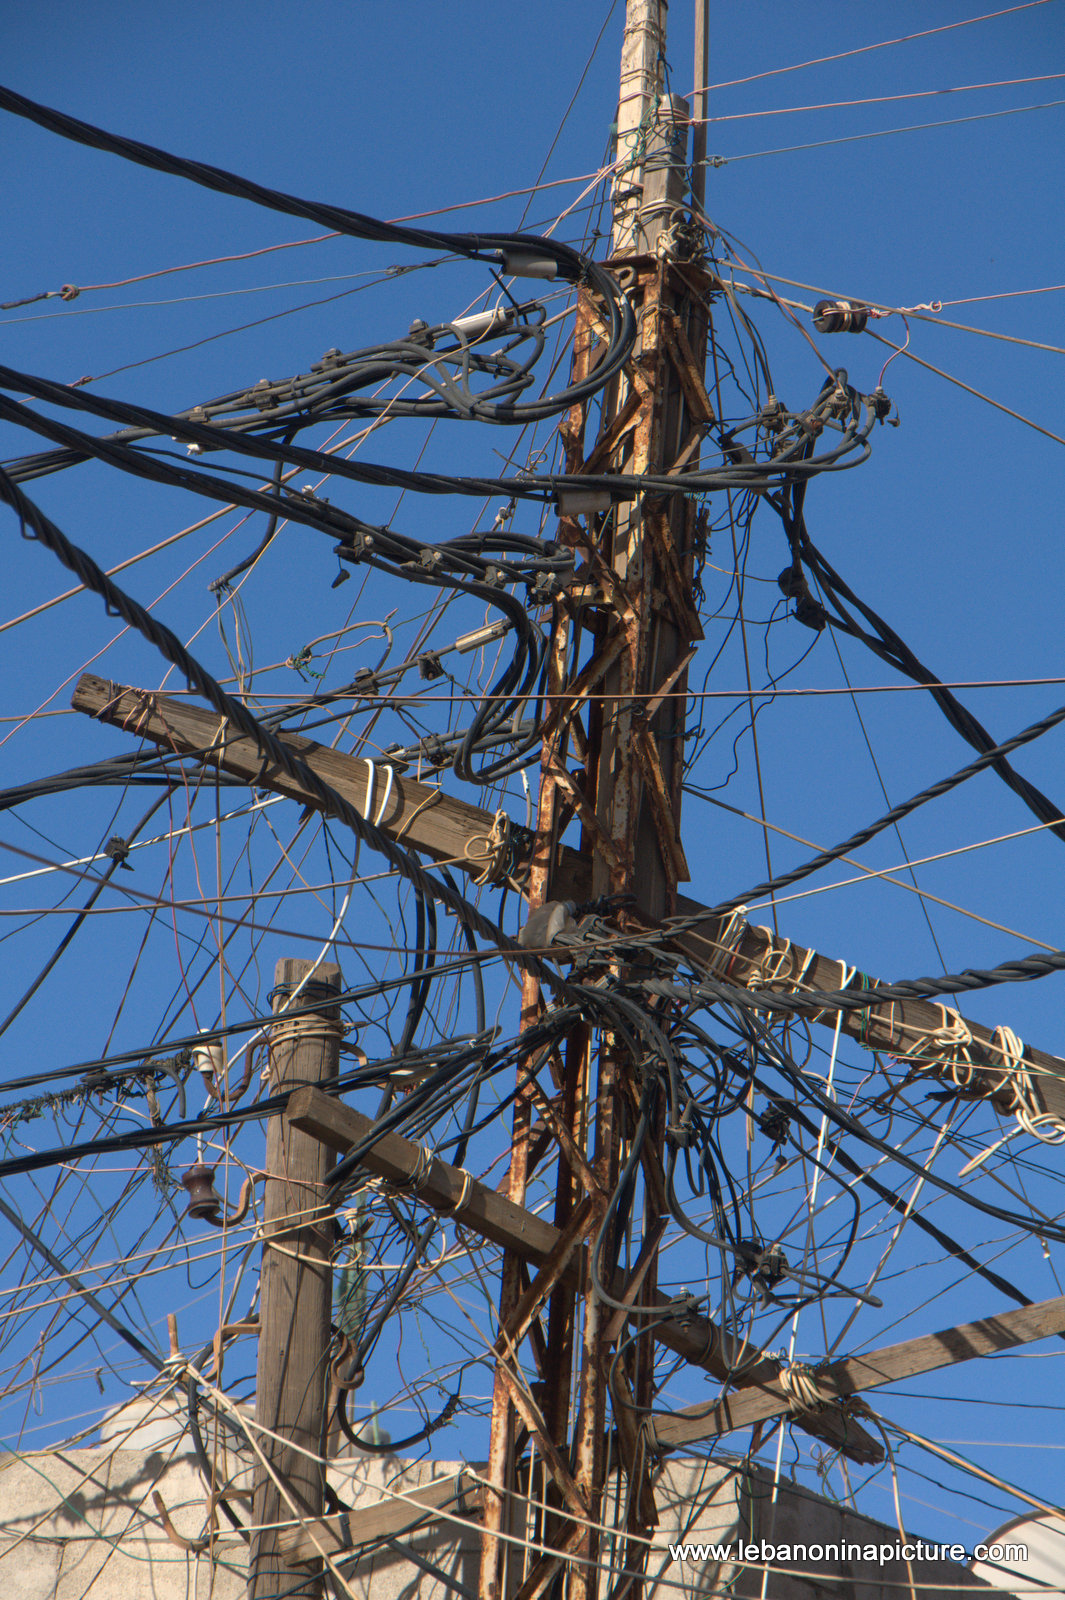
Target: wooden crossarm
(855, 1374)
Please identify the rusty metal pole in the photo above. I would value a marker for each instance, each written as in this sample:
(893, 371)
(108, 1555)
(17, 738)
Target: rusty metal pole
(620, 646)
(297, 1289)
(498, 1554)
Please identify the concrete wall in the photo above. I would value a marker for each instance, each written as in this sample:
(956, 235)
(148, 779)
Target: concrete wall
(82, 1525)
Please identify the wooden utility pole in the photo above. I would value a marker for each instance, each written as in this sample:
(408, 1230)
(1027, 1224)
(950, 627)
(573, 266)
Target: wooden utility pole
(297, 1287)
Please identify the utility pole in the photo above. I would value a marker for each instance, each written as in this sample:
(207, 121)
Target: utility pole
(635, 640)
(296, 1287)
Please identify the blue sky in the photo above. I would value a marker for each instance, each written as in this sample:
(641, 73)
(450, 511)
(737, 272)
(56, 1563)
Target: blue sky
(952, 530)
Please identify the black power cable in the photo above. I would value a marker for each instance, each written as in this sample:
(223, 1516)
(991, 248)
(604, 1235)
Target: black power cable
(789, 463)
(35, 525)
(989, 758)
(775, 1054)
(118, 859)
(885, 643)
(903, 1208)
(511, 251)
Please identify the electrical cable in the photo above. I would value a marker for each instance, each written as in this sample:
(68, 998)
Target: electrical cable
(791, 1110)
(237, 714)
(934, 791)
(508, 250)
(101, 1311)
(118, 858)
(886, 643)
(778, 1057)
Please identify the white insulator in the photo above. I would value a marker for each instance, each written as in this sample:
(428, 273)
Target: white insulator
(209, 1058)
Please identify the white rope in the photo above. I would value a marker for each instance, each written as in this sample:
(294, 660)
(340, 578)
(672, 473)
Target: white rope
(945, 1046)
(1022, 1102)
(390, 779)
(803, 1389)
(494, 857)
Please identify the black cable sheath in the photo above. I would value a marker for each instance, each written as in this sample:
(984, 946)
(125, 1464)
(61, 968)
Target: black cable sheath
(79, 918)
(570, 264)
(890, 648)
(79, 1288)
(902, 1208)
(35, 525)
(824, 858)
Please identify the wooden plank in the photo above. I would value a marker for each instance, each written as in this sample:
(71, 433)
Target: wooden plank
(892, 1028)
(441, 827)
(443, 1188)
(854, 1374)
(418, 814)
(386, 1520)
(483, 1210)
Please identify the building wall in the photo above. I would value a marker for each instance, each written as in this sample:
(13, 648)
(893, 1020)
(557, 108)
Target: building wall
(82, 1525)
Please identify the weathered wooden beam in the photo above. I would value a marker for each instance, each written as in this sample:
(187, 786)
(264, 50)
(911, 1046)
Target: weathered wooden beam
(447, 829)
(854, 1374)
(296, 1289)
(897, 1028)
(416, 813)
(475, 1206)
(457, 1497)
(482, 1210)
(439, 1186)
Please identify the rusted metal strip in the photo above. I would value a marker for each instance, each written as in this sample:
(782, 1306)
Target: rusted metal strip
(552, 1270)
(687, 370)
(661, 809)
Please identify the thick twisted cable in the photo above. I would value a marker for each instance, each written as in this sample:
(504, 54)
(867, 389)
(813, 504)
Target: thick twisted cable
(570, 264)
(1034, 731)
(240, 718)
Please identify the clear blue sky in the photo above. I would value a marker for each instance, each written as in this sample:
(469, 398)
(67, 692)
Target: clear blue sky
(952, 530)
